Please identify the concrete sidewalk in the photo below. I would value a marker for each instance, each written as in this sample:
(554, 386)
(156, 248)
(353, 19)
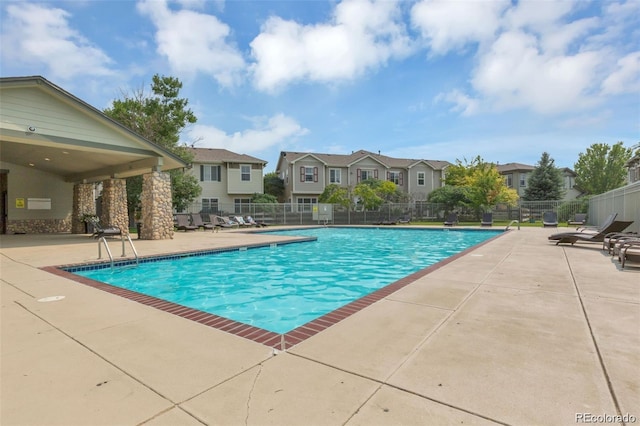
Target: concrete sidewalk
(519, 331)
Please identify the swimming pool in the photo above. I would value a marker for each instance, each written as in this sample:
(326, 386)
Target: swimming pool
(280, 287)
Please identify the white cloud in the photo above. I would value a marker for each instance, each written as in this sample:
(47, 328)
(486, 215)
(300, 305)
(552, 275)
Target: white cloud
(462, 103)
(266, 133)
(626, 77)
(195, 42)
(515, 74)
(362, 35)
(450, 25)
(34, 35)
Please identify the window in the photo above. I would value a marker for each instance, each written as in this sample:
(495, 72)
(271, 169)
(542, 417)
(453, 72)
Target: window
(209, 173)
(242, 205)
(421, 178)
(308, 174)
(395, 177)
(210, 205)
(523, 179)
(245, 172)
(306, 204)
(335, 176)
(508, 179)
(364, 174)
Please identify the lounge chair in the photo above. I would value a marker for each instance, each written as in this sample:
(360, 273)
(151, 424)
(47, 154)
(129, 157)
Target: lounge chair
(404, 219)
(549, 219)
(452, 219)
(107, 231)
(574, 237)
(240, 221)
(630, 252)
(613, 240)
(487, 219)
(595, 229)
(578, 219)
(251, 221)
(183, 223)
(223, 222)
(196, 220)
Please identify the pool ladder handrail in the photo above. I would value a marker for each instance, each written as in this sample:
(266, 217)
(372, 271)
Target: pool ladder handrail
(103, 240)
(511, 223)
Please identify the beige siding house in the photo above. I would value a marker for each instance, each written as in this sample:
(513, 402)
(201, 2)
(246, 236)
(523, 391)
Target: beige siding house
(306, 175)
(228, 180)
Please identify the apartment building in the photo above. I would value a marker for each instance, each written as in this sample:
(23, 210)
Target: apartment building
(307, 174)
(226, 178)
(516, 176)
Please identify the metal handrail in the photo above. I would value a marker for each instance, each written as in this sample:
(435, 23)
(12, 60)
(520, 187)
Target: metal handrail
(103, 239)
(511, 223)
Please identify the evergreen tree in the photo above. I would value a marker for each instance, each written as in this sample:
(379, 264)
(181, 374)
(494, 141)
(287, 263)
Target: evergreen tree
(601, 168)
(545, 182)
(159, 118)
(273, 185)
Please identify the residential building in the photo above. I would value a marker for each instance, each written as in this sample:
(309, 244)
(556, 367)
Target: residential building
(633, 167)
(228, 180)
(516, 176)
(306, 174)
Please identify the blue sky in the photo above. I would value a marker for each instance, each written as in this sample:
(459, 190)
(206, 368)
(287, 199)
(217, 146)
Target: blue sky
(441, 80)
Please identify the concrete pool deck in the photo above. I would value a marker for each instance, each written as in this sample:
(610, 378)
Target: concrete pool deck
(518, 331)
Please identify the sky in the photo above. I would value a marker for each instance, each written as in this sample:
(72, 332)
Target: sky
(505, 80)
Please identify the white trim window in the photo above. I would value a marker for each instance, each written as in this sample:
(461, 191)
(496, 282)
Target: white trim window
(305, 204)
(335, 176)
(523, 179)
(364, 174)
(241, 205)
(508, 180)
(245, 172)
(421, 178)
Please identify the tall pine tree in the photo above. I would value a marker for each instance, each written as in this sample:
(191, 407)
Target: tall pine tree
(545, 182)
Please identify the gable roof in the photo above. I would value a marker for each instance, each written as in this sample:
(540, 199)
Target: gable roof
(47, 128)
(219, 155)
(346, 160)
(512, 167)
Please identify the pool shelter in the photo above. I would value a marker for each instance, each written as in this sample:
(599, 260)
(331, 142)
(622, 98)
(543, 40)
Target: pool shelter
(56, 149)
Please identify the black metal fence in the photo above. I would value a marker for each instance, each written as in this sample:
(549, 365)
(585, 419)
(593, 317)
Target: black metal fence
(302, 214)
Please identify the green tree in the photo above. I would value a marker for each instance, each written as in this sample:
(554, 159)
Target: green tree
(479, 185)
(545, 182)
(367, 192)
(450, 196)
(273, 185)
(160, 118)
(601, 168)
(264, 199)
(336, 194)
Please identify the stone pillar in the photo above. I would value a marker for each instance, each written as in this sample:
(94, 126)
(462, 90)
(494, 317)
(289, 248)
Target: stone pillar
(84, 203)
(157, 208)
(114, 204)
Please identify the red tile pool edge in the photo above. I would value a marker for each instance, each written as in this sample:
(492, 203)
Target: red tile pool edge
(269, 338)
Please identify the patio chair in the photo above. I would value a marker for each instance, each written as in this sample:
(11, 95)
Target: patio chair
(613, 240)
(578, 219)
(549, 219)
(223, 222)
(183, 224)
(574, 237)
(251, 221)
(452, 219)
(487, 219)
(595, 229)
(196, 220)
(240, 221)
(404, 219)
(99, 231)
(630, 252)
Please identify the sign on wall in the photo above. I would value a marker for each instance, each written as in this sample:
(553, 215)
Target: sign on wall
(19, 203)
(39, 203)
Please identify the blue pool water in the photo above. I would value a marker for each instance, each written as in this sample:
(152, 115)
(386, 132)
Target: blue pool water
(280, 288)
